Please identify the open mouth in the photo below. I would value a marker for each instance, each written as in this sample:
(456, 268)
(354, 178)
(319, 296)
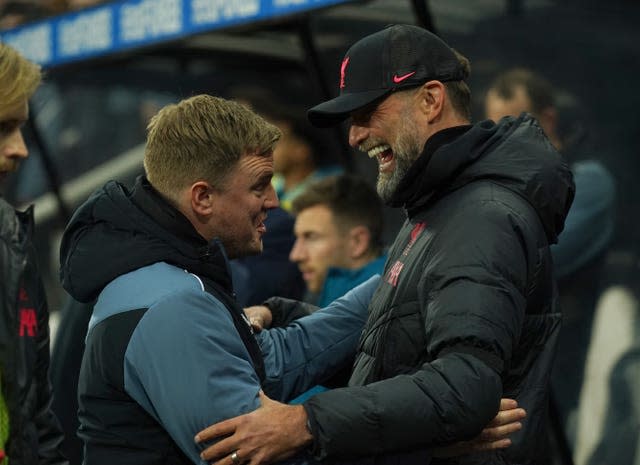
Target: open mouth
(384, 154)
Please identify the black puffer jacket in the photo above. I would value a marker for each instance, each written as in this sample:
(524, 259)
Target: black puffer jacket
(466, 312)
(24, 346)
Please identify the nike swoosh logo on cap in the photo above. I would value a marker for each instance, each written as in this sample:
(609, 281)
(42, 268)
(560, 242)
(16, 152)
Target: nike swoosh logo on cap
(398, 79)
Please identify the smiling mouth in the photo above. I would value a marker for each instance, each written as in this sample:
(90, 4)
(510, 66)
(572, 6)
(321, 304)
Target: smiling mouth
(384, 154)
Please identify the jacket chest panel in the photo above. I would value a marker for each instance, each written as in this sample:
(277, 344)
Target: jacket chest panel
(403, 269)
(394, 336)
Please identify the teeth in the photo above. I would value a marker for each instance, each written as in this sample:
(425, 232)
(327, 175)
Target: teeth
(374, 152)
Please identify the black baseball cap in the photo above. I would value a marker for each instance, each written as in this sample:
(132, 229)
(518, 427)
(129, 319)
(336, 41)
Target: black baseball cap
(399, 56)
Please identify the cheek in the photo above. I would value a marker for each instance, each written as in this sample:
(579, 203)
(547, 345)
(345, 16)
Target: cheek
(324, 254)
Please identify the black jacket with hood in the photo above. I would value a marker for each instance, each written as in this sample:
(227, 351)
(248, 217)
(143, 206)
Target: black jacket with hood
(35, 435)
(466, 311)
(114, 232)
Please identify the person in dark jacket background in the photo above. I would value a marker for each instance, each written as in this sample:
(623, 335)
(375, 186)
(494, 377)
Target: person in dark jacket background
(466, 310)
(29, 432)
(579, 257)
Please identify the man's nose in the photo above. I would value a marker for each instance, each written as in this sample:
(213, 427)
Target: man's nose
(271, 199)
(297, 252)
(15, 146)
(357, 134)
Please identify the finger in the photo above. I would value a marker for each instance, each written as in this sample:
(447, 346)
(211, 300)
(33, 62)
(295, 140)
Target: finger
(508, 404)
(220, 451)
(256, 324)
(484, 446)
(224, 428)
(508, 416)
(228, 460)
(499, 432)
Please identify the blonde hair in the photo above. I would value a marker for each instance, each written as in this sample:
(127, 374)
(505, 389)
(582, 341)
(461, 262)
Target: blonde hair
(201, 139)
(19, 78)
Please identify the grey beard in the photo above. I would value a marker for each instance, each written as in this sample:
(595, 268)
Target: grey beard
(388, 184)
(407, 152)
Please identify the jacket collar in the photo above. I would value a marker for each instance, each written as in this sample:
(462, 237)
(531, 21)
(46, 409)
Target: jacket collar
(411, 188)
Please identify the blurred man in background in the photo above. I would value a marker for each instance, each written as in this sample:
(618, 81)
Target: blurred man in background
(338, 231)
(14, 13)
(579, 256)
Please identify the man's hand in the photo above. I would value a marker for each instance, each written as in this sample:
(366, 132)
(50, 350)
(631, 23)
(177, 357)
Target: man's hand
(270, 433)
(259, 317)
(494, 436)
(276, 431)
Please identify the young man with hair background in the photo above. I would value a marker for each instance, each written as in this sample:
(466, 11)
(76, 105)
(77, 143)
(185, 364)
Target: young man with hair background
(338, 229)
(579, 257)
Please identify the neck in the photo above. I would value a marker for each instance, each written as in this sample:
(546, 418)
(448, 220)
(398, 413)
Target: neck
(446, 121)
(363, 261)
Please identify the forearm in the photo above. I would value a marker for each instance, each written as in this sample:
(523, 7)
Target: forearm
(447, 400)
(315, 347)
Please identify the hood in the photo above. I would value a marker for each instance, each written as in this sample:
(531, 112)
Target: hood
(112, 234)
(514, 153)
(15, 226)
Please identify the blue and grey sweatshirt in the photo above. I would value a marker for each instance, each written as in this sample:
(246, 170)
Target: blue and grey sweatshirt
(166, 352)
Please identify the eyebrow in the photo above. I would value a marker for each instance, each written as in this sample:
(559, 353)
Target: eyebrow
(14, 121)
(265, 178)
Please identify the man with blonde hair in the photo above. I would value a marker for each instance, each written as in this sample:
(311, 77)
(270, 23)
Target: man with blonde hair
(29, 433)
(168, 349)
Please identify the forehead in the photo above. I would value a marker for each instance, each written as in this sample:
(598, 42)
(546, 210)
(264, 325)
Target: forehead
(248, 171)
(318, 218)
(17, 112)
(498, 106)
(255, 164)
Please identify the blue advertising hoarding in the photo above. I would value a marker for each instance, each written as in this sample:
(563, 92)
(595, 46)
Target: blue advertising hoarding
(124, 25)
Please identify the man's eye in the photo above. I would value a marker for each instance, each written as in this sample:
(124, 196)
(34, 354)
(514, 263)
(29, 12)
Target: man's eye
(7, 127)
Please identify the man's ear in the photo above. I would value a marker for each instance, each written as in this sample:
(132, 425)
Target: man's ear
(431, 99)
(359, 241)
(202, 197)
